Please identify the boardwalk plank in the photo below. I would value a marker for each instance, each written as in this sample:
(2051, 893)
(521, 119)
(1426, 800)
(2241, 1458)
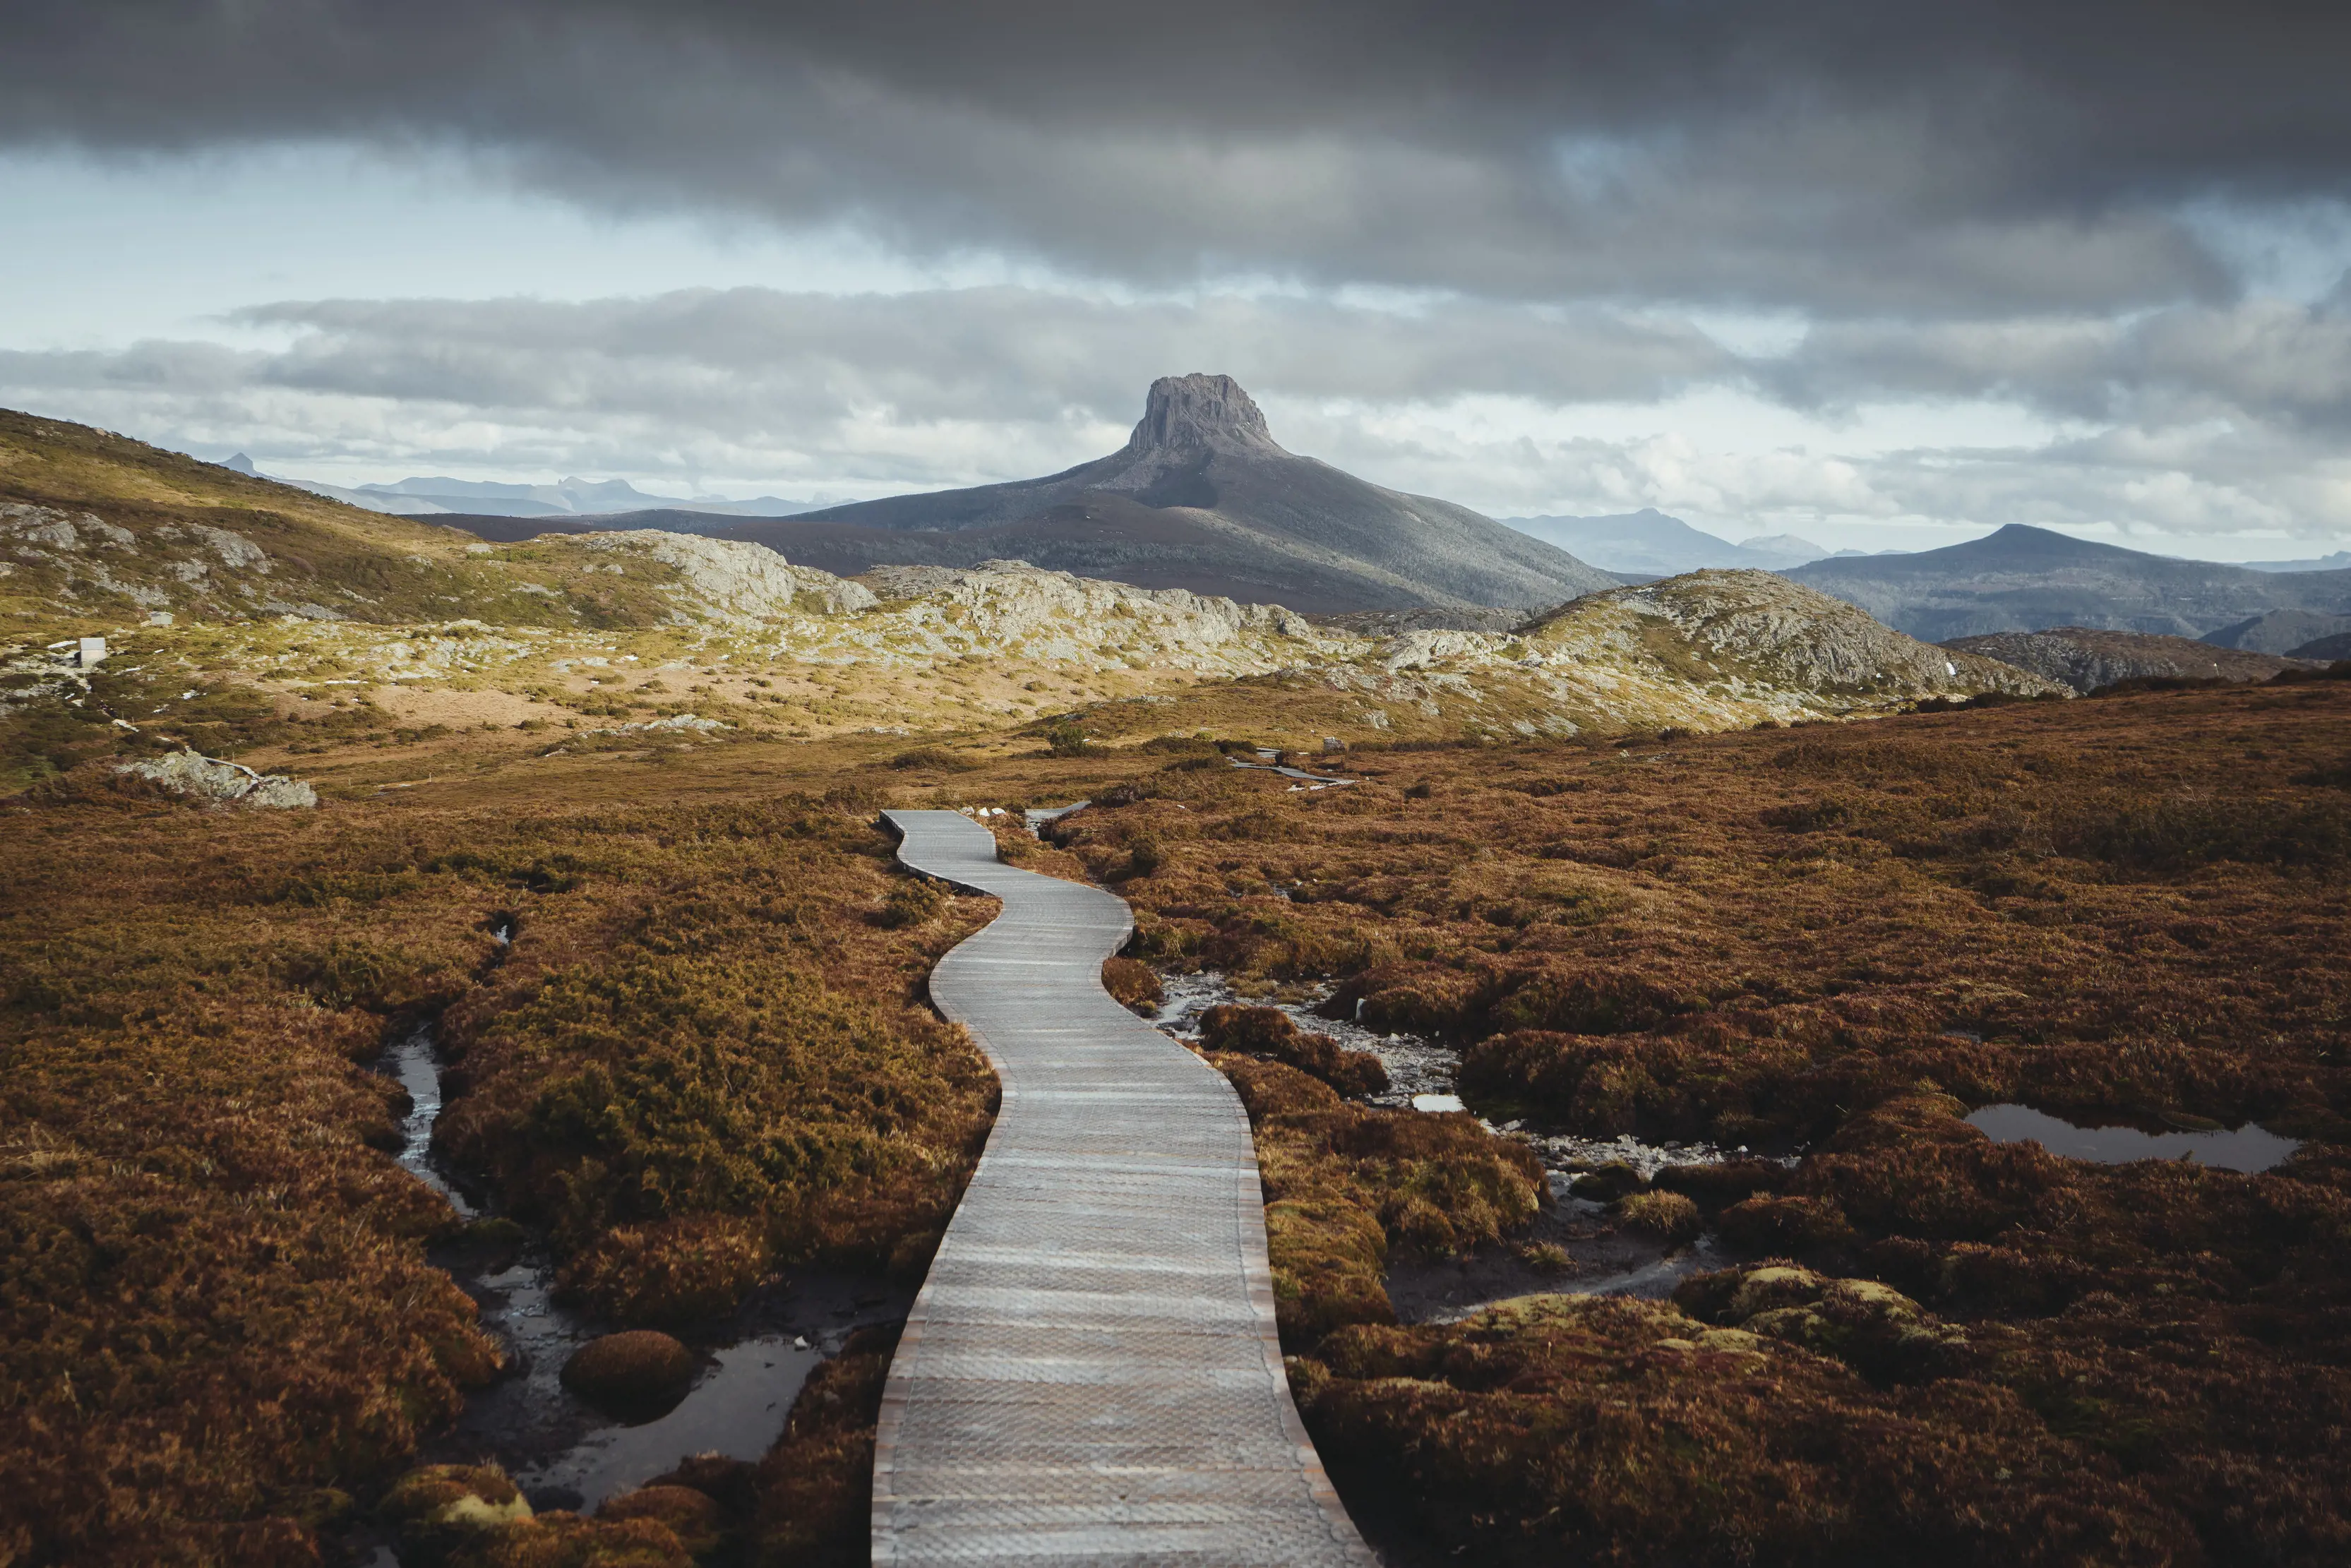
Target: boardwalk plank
(1090, 1375)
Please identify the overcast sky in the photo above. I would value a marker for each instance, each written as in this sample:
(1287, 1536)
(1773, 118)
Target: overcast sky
(1848, 271)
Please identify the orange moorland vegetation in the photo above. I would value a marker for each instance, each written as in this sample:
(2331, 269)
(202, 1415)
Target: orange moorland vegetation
(1827, 943)
(704, 1056)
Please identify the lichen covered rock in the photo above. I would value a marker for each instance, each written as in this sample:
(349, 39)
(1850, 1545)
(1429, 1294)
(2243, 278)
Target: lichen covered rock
(211, 781)
(726, 580)
(435, 1511)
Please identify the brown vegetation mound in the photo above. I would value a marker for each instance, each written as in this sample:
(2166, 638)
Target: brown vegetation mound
(1269, 1032)
(437, 1512)
(694, 1517)
(641, 1369)
(1592, 1429)
(562, 1540)
(816, 1485)
(1343, 1183)
(1134, 985)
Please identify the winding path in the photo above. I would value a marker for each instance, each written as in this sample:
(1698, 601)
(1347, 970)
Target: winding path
(1090, 1373)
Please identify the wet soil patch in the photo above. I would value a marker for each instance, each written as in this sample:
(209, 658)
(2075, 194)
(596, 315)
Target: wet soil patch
(1603, 1258)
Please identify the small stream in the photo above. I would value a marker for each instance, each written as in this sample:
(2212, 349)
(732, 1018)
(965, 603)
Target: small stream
(411, 1062)
(1603, 1258)
(562, 1452)
(1415, 1066)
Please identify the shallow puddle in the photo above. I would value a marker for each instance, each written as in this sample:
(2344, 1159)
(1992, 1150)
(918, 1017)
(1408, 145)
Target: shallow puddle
(565, 1453)
(2245, 1148)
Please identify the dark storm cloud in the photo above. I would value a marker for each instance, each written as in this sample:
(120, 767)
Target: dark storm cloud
(1838, 158)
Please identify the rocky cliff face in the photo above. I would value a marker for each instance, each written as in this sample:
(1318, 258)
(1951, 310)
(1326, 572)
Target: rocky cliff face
(1195, 414)
(1755, 632)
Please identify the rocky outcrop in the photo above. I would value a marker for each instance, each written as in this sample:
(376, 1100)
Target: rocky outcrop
(1013, 609)
(1200, 413)
(722, 579)
(1757, 632)
(1713, 650)
(2083, 659)
(210, 780)
(82, 559)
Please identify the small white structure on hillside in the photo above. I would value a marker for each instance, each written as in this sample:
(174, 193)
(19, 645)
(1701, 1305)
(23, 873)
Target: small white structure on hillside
(80, 652)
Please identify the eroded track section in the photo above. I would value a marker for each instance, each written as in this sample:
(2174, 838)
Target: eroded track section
(1090, 1373)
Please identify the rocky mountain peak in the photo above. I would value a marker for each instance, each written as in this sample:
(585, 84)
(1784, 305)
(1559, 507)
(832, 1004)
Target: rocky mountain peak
(1195, 411)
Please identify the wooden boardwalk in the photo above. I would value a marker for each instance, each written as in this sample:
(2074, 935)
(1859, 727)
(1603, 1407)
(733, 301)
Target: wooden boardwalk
(1090, 1375)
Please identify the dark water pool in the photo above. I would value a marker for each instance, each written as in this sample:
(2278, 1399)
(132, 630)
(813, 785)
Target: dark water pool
(562, 1452)
(2245, 1148)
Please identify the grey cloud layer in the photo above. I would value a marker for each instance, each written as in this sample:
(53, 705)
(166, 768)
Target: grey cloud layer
(2204, 422)
(2266, 361)
(1004, 353)
(911, 389)
(1987, 157)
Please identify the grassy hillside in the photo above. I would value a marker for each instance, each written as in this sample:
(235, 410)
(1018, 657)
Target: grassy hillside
(299, 629)
(98, 532)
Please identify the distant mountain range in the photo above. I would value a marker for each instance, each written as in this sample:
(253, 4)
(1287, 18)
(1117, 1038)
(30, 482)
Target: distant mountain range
(2338, 562)
(2289, 632)
(1201, 498)
(571, 498)
(1649, 543)
(2086, 659)
(2026, 579)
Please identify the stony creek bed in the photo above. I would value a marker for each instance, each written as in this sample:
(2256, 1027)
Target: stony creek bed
(562, 1452)
(1603, 1258)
